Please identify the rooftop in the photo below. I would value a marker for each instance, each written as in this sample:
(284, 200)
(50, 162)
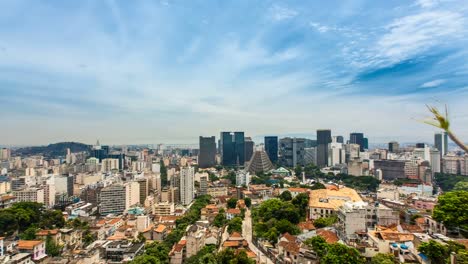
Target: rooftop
(332, 197)
(28, 244)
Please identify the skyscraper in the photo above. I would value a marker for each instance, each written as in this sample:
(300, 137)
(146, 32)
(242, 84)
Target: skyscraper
(186, 185)
(271, 148)
(339, 139)
(357, 138)
(440, 143)
(207, 155)
(323, 140)
(393, 146)
(292, 151)
(249, 148)
(232, 148)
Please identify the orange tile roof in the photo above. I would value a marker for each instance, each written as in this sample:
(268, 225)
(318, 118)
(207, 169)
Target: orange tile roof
(302, 190)
(101, 222)
(289, 237)
(308, 225)
(233, 211)
(160, 228)
(329, 236)
(251, 254)
(231, 244)
(47, 232)
(114, 221)
(236, 234)
(28, 244)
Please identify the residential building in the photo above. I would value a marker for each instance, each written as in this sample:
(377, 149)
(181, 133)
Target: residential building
(242, 178)
(29, 195)
(271, 148)
(325, 202)
(132, 194)
(34, 247)
(112, 200)
(186, 185)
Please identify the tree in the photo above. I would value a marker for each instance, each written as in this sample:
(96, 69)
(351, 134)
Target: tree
(452, 209)
(158, 250)
(339, 253)
(325, 221)
(242, 258)
(436, 252)
(301, 202)
(225, 256)
(248, 202)
(235, 225)
(219, 220)
(461, 186)
(298, 171)
(462, 257)
(232, 203)
(318, 244)
(52, 249)
(286, 196)
(146, 259)
(8, 223)
(29, 234)
(382, 258)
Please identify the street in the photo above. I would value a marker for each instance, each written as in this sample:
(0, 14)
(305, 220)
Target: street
(247, 234)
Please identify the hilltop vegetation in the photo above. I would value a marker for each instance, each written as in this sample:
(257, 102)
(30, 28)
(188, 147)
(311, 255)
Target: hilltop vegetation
(53, 150)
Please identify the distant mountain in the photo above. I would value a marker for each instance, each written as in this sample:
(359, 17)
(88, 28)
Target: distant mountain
(53, 150)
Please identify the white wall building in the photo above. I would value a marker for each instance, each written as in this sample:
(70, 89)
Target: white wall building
(186, 185)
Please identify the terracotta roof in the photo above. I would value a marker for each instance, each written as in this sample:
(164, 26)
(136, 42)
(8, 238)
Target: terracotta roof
(47, 232)
(420, 220)
(101, 222)
(235, 235)
(28, 244)
(329, 236)
(291, 247)
(308, 225)
(231, 244)
(114, 221)
(289, 237)
(160, 228)
(7, 197)
(233, 211)
(251, 254)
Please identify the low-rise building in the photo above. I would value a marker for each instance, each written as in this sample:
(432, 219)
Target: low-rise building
(325, 202)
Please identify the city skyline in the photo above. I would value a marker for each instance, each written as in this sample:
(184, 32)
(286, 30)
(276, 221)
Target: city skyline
(170, 71)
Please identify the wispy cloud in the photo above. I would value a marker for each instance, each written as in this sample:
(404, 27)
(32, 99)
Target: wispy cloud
(433, 83)
(279, 13)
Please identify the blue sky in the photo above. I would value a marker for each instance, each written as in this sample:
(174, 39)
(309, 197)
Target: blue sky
(169, 71)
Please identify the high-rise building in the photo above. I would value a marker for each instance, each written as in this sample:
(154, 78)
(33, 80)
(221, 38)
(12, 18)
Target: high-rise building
(339, 139)
(323, 140)
(112, 200)
(64, 184)
(271, 148)
(357, 138)
(366, 143)
(249, 148)
(5, 154)
(393, 147)
(292, 151)
(420, 145)
(186, 185)
(435, 160)
(310, 156)
(207, 154)
(232, 148)
(144, 189)
(132, 194)
(441, 143)
(203, 184)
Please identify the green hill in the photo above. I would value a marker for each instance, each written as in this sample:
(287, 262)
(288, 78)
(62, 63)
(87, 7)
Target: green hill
(53, 150)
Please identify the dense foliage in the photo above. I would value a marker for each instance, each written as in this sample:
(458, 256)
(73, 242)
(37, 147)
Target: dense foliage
(382, 258)
(232, 203)
(155, 253)
(286, 196)
(275, 217)
(301, 202)
(439, 253)
(447, 182)
(325, 221)
(235, 225)
(452, 210)
(29, 216)
(363, 183)
(190, 217)
(334, 253)
(53, 150)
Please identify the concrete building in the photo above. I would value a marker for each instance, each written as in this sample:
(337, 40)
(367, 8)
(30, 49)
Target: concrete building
(393, 147)
(310, 155)
(109, 165)
(29, 195)
(391, 169)
(64, 184)
(259, 163)
(203, 185)
(325, 202)
(132, 194)
(352, 151)
(291, 151)
(163, 208)
(242, 178)
(336, 154)
(207, 154)
(112, 200)
(435, 160)
(195, 237)
(186, 185)
(144, 189)
(357, 138)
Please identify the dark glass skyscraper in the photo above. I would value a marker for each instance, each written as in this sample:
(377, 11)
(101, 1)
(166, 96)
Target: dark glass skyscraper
(357, 138)
(339, 139)
(232, 148)
(441, 143)
(271, 148)
(207, 155)
(323, 140)
(249, 148)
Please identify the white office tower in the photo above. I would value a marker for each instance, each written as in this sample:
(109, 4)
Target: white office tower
(336, 154)
(435, 160)
(132, 194)
(186, 185)
(242, 178)
(156, 167)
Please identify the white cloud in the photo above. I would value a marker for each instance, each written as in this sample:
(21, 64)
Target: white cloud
(279, 13)
(427, 3)
(319, 27)
(433, 83)
(414, 34)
